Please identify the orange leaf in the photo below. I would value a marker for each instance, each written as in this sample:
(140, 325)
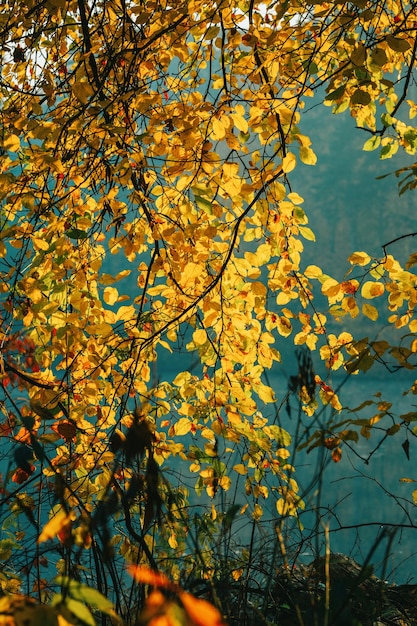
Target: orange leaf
(56, 525)
(200, 611)
(155, 600)
(21, 475)
(336, 455)
(146, 576)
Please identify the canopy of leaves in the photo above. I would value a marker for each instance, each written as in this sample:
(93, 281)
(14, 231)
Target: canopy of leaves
(147, 212)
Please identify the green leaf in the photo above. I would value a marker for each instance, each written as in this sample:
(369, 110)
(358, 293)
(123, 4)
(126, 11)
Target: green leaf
(204, 204)
(6, 548)
(387, 120)
(336, 94)
(83, 593)
(76, 233)
(80, 610)
(411, 137)
(388, 151)
(280, 435)
(230, 516)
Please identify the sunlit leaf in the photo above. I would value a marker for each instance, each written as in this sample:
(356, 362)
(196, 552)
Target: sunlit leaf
(372, 289)
(359, 258)
(336, 455)
(83, 91)
(146, 576)
(372, 143)
(370, 311)
(110, 295)
(59, 521)
(201, 612)
(12, 143)
(288, 163)
(307, 155)
(240, 468)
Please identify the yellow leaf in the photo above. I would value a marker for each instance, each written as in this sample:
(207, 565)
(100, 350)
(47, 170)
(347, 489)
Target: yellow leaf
(372, 143)
(288, 163)
(183, 378)
(331, 288)
(372, 290)
(55, 524)
(165, 345)
(307, 233)
(126, 313)
(285, 508)
(12, 143)
(40, 244)
(109, 279)
(240, 122)
(110, 295)
(307, 156)
(370, 311)
(257, 512)
(284, 326)
(237, 574)
(259, 289)
(240, 469)
(359, 258)
(218, 130)
(265, 393)
(313, 271)
(82, 91)
(183, 426)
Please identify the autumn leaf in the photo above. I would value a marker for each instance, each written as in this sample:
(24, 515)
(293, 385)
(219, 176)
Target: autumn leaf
(153, 274)
(370, 311)
(372, 289)
(336, 455)
(288, 163)
(55, 525)
(307, 156)
(201, 612)
(146, 576)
